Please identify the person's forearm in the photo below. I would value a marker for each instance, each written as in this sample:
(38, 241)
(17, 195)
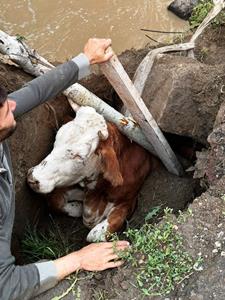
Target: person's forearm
(48, 85)
(66, 265)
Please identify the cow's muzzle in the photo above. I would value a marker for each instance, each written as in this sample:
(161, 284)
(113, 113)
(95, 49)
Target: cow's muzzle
(33, 183)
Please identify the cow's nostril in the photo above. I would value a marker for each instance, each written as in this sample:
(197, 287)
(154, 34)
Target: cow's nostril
(29, 173)
(34, 184)
(32, 181)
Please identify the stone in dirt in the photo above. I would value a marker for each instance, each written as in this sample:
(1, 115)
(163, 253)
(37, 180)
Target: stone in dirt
(211, 165)
(185, 95)
(183, 8)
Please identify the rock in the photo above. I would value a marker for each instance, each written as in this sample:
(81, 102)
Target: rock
(220, 118)
(125, 285)
(201, 163)
(183, 8)
(211, 163)
(185, 95)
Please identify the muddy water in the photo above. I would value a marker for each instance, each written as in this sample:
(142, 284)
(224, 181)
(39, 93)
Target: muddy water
(58, 29)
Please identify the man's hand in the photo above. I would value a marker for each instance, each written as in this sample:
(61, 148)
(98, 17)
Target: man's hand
(95, 50)
(94, 257)
(101, 256)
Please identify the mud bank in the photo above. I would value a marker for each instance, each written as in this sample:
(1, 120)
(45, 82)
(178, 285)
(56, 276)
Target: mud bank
(206, 226)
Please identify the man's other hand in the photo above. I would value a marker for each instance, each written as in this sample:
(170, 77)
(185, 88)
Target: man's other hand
(101, 256)
(96, 50)
(94, 257)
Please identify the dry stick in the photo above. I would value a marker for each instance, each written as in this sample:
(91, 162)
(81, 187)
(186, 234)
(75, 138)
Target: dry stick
(148, 36)
(145, 67)
(161, 31)
(121, 82)
(77, 95)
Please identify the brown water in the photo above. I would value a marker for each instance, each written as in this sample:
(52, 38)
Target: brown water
(58, 29)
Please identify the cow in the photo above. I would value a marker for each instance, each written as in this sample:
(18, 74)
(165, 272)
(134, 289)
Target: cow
(94, 154)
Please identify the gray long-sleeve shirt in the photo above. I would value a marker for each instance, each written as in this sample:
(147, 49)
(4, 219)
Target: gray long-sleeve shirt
(24, 282)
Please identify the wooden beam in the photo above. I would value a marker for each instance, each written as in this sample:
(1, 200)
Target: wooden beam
(121, 82)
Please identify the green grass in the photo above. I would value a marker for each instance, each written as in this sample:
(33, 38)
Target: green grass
(50, 245)
(201, 11)
(158, 255)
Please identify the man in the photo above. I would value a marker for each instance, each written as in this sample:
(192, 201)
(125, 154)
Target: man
(24, 282)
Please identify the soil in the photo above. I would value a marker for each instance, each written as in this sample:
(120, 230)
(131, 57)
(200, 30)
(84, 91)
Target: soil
(203, 230)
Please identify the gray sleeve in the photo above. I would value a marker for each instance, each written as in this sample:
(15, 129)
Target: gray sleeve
(48, 85)
(19, 282)
(24, 282)
(47, 276)
(16, 282)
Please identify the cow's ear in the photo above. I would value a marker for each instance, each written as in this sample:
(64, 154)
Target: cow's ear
(110, 166)
(103, 134)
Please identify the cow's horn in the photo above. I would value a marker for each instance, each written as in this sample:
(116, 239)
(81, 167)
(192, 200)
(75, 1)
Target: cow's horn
(101, 136)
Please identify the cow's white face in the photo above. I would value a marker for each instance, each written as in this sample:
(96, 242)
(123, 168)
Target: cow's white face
(73, 158)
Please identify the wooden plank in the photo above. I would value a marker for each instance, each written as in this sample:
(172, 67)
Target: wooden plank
(121, 82)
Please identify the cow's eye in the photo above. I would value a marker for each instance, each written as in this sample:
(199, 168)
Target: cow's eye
(73, 155)
(69, 153)
(43, 163)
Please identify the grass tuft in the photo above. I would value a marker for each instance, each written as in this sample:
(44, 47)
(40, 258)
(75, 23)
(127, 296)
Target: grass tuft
(50, 245)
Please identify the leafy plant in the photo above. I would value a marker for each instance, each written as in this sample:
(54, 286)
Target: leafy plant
(201, 11)
(153, 213)
(158, 254)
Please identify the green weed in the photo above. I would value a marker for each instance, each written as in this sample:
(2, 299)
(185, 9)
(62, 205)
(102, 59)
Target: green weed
(153, 213)
(158, 254)
(201, 11)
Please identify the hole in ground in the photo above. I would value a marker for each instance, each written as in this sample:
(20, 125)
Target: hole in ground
(160, 190)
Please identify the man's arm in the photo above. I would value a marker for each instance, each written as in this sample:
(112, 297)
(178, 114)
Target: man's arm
(24, 282)
(48, 85)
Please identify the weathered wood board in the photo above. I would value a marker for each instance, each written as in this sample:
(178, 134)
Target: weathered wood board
(121, 82)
